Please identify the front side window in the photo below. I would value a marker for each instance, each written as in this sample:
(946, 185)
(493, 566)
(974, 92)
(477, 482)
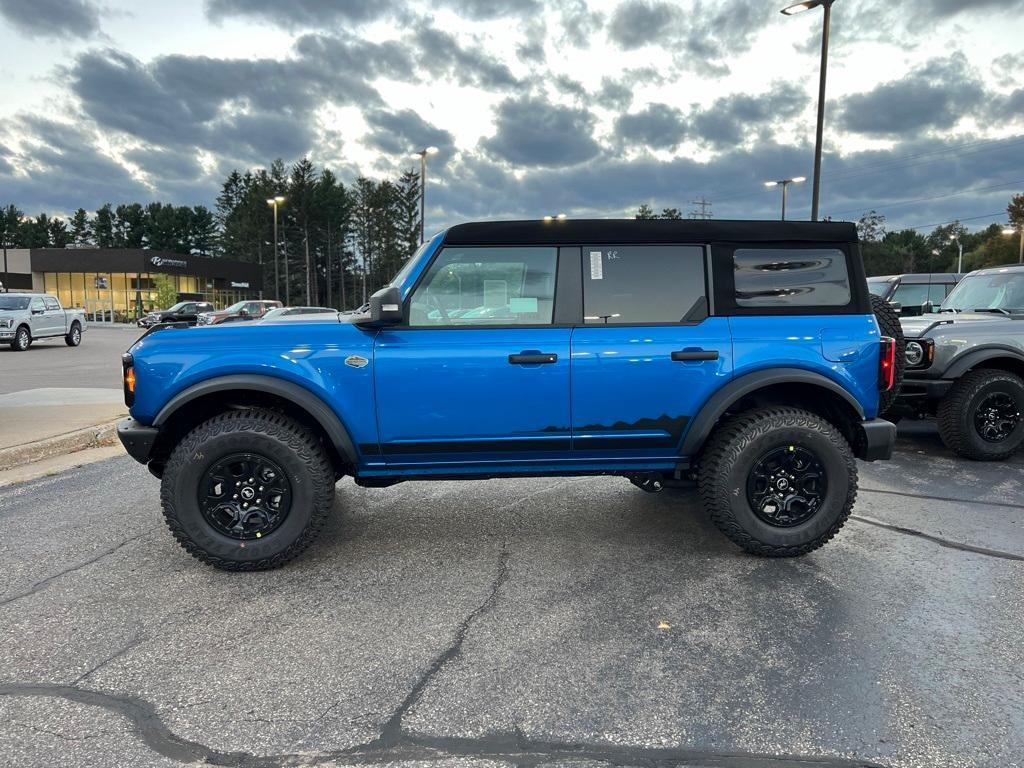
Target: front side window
(647, 284)
(487, 286)
(37, 305)
(791, 277)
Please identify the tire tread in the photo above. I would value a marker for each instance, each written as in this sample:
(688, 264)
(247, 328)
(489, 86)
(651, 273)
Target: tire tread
(954, 405)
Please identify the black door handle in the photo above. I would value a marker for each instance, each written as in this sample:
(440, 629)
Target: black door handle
(684, 355)
(532, 358)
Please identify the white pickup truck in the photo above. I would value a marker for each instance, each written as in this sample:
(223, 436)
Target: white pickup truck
(25, 317)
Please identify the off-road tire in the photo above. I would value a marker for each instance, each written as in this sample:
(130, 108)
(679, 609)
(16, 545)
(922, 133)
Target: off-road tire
(957, 408)
(889, 324)
(74, 337)
(22, 339)
(290, 445)
(732, 451)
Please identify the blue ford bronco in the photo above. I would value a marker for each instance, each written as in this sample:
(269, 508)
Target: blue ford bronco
(746, 356)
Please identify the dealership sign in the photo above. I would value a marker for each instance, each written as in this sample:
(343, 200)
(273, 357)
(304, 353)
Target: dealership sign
(160, 261)
(239, 285)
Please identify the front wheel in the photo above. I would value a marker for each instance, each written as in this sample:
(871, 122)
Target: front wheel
(980, 418)
(74, 337)
(778, 482)
(247, 490)
(22, 340)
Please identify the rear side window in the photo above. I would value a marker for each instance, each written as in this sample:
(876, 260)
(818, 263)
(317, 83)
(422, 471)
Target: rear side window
(51, 303)
(797, 277)
(646, 284)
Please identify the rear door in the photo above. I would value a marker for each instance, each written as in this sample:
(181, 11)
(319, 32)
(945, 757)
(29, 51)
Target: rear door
(648, 354)
(480, 372)
(56, 323)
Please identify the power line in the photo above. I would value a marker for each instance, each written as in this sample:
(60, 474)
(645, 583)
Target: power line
(886, 206)
(954, 221)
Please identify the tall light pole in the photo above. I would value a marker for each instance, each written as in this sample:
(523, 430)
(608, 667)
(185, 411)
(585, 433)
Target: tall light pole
(273, 202)
(792, 11)
(784, 183)
(960, 258)
(422, 155)
(1019, 231)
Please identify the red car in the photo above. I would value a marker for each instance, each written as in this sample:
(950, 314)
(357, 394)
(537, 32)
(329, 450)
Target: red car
(239, 312)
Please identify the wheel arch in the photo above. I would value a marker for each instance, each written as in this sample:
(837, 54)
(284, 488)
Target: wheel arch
(778, 386)
(1002, 358)
(205, 399)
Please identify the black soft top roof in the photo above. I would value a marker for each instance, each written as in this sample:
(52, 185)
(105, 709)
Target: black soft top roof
(624, 231)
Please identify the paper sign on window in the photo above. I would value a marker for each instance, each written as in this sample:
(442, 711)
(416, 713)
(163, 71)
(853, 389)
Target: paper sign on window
(596, 266)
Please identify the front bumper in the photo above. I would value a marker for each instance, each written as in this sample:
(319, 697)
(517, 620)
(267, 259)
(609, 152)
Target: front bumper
(137, 439)
(913, 390)
(876, 440)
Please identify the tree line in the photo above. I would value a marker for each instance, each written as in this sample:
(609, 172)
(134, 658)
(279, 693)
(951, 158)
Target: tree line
(336, 243)
(907, 250)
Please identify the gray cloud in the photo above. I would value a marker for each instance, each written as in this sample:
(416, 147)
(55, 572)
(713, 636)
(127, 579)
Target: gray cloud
(399, 133)
(658, 126)
(492, 9)
(935, 95)
(302, 13)
(945, 8)
(636, 23)
(441, 54)
(52, 18)
(534, 132)
(614, 95)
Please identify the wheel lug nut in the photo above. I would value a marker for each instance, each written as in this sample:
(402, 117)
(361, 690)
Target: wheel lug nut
(235, 496)
(238, 483)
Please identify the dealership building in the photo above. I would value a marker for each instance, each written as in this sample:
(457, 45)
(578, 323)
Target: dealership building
(118, 283)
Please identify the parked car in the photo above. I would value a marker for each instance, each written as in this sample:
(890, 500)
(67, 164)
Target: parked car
(912, 295)
(280, 312)
(183, 311)
(241, 311)
(606, 354)
(27, 317)
(965, 365)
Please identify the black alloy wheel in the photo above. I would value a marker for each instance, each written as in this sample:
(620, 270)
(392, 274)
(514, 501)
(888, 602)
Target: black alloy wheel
(245, 496)
(786, 486)
(996, 417)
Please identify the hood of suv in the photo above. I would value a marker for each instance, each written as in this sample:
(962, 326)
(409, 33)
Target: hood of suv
(914, 326)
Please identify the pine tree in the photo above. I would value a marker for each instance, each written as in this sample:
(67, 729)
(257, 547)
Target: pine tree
(103, 226)
(81, 233)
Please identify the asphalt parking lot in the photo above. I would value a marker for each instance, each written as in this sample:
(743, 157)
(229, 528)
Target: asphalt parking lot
(520, 622)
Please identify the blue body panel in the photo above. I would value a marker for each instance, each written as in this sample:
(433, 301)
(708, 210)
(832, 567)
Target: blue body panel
(311, 355)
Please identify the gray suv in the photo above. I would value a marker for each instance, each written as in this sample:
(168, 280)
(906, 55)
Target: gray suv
(965, 365)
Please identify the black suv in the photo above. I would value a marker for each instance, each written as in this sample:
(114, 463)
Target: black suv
(183, 311)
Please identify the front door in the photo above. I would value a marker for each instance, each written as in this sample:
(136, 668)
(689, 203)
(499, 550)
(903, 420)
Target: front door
(38, 321)
(648, 356)
(479, 375)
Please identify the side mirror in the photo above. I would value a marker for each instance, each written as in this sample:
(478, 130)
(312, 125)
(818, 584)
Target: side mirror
(38, 311)
(243, 313)
(386, 306)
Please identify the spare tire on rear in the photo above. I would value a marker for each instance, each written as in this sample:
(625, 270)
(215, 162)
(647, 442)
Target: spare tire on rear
(889, 324)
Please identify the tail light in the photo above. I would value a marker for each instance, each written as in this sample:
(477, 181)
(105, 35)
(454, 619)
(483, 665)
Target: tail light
(887, 364)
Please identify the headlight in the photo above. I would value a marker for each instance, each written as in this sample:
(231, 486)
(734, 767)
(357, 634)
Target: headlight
(915, 353)
(5, 322)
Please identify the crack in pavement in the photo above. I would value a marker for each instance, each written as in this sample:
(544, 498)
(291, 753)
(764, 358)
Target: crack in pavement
(41, 585)
(923, 496)
(396, 744)
(111, 658)
(948, 543)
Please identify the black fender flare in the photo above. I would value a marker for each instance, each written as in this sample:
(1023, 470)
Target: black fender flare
(976, 357)
(302, 397)
(738, 388)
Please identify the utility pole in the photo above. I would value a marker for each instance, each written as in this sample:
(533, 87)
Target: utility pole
(329, 304)
(705, 209)
(309, 274)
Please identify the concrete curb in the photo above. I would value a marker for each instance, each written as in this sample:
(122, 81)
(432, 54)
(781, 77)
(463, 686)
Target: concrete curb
(90, 437)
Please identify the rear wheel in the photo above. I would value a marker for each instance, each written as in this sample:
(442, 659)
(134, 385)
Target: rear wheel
(980, 418)
(74, 337)
(22, 340)
(247, 490)
(889, 324)
(779, 482)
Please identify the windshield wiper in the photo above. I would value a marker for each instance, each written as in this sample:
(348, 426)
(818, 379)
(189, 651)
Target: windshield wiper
(990, 309)
(949, 309)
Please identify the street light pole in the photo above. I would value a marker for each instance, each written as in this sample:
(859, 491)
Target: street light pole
(960, 258)
(784, 183)
(819, 133)
(422, 155)
(274, 202)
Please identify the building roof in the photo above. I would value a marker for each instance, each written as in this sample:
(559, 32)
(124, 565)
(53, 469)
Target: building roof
(623, 231)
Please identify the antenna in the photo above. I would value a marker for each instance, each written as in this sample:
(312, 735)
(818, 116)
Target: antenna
(705, 209)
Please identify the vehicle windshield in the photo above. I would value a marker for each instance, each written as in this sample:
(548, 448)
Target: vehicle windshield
(176, 307)
(999, 292)
(399, 279)
(237, 307)
(13, 302)
(878, 287)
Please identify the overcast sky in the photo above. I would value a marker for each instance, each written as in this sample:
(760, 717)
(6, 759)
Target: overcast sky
(587, 107)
